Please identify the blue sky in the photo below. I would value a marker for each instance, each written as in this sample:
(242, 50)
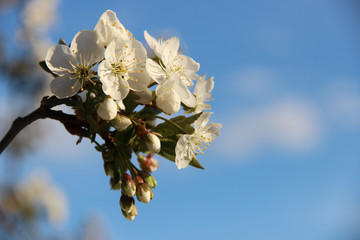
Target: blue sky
(287, 91)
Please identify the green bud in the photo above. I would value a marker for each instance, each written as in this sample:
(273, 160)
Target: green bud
(151, 181)
(126, 203)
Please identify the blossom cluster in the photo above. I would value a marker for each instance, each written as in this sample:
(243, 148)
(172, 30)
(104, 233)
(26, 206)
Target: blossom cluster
(113, 85)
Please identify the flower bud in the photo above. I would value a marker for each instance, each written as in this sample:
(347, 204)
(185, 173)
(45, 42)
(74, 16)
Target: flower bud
(151, 181)
(148, 164)
(130, 216)
(168, 101)
(143, 97)
(107, 110)
(121, 122)
(152, 142)
(109, 169)
(144, 193)
(128, 186)
(126, 203)
(108, 155)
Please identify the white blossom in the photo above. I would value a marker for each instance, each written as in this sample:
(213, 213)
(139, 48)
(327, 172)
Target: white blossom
(123, 68)
(171, 61)
(202, 92)
(74, 64)
(189, 145)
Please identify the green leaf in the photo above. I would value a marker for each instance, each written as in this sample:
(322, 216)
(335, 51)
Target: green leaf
(167, 129)
(147, 110)
(129, 103)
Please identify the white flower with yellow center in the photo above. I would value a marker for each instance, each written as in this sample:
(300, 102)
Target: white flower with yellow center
(189, 145)
(74, 64)
(109, 27)
(172, 61)
(123, 68)
(171, 92)
(202, 92)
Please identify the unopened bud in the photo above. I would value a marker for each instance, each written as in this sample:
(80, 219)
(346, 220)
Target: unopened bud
(151, 181)
(144, 193)
(128, 186)
(109, 168)
(107, 110)
(130, 216)
(121, 122)
(126, 203)
(152, 142)
(148, 164)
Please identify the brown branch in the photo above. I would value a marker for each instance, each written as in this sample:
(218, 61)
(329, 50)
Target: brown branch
(71, 123)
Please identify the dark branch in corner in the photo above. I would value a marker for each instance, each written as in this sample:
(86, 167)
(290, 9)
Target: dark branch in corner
(73, 125)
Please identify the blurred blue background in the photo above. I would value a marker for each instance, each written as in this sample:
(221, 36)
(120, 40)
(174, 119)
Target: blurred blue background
(287, 91)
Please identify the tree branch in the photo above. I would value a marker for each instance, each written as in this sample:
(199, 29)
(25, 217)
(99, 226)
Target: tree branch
(73, 125)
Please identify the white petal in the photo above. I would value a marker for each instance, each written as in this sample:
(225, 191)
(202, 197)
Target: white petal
(140, 51)
(63, 87)
(204, 87)
(167, 100)
(153, 43)
(155, 71)
(138, 81)
(57, 59)
(202, 120)
(86, 46)
(183, 153)
(109, 27)
(185, 95)
(170, 50)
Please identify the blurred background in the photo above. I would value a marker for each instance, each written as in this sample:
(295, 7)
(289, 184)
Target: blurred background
(287, 91)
